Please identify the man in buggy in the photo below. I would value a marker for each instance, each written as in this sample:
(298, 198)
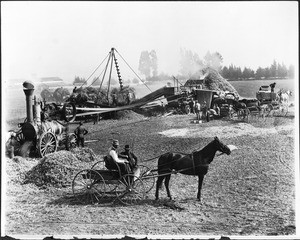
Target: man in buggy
(125, 161)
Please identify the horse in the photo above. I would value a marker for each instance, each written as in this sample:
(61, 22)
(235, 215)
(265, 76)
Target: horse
(284, 96)
(195, 164)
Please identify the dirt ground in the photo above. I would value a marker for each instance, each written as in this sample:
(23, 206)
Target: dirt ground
(250, 192)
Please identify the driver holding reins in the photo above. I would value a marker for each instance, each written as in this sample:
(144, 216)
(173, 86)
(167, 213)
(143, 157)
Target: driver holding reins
(119, 159)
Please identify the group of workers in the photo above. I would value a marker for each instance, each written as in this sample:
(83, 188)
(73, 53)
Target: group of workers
(202, 111)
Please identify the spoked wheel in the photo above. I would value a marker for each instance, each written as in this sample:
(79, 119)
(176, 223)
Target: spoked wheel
(130, 190)
(148, 177)
(111, 181)
(20, 140)
(47, 144)
(99, 165)
(270, 110)
(71, 141)
(69, 112)
(88, 186)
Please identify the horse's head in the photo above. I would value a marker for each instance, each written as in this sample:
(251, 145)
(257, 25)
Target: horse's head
(221, 146)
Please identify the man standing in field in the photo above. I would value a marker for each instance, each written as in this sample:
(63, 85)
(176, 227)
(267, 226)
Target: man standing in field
(272, 85)
(197, 109)
(191, 104)
(80, 132)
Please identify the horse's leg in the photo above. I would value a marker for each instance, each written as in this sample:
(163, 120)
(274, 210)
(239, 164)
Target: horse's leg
(200, 181)
(167, 180)
(158, 185)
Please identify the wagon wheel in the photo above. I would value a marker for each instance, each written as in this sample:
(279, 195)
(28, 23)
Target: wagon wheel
(88, 186)
(148, 177)
(20, 140)
(47, 144)
(269, 110)
(187, 109)
(69, 112)
(71, 141)
(130, 189)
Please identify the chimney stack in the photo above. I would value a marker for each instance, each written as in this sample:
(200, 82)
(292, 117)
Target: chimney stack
(28, 90)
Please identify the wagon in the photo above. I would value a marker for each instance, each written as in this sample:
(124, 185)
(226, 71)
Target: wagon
(98, 182)
(270, 102)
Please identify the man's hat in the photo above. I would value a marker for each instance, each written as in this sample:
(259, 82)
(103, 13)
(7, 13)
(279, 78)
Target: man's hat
(127, 147)
(115, 142)
(80, 123)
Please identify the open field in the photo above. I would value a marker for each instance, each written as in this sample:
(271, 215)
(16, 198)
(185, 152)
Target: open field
(250, 192)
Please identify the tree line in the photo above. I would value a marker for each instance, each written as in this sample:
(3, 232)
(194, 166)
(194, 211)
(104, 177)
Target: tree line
(192, 65)
(274, 71)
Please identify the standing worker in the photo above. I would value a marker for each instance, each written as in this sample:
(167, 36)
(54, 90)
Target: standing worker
(272, 85)
(80, 132)
(10, 144)
(191, 104)
(197, 109)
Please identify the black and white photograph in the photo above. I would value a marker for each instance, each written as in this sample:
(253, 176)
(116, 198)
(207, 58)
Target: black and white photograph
(150, 119)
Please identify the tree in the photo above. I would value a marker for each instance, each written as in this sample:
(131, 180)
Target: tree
(273, 69)
(145, 64)
(79, 80)
(291, 72)
(153, 60)
(259, 73)
(282, 71)
(96, 81)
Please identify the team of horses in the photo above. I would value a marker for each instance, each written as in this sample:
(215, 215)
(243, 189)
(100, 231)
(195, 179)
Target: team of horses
(244, 107)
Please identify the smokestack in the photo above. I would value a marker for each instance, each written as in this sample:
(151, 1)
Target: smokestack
(28, 90)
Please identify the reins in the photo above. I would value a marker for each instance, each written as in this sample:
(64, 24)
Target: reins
(173, 171)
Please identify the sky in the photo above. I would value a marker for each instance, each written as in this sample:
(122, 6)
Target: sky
(68, 39)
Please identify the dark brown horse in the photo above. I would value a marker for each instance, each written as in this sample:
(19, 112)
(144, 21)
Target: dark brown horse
(195, 164)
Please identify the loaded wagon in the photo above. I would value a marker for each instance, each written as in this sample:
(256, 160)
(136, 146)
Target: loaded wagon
(270, 102)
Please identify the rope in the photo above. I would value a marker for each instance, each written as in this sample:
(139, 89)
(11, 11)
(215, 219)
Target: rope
(147, 160)
(133, 71)
(94, 71)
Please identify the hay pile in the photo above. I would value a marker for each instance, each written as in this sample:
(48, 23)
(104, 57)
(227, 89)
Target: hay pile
(214, 81)
(128, 115)
(59, 168)
(16, 169)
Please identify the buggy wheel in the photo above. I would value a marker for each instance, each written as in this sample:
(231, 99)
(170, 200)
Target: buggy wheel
(110, 185)
(98, 165)
(130, 190)
(148, 177)
(88, 186)
(71, 141)
(47, 144)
